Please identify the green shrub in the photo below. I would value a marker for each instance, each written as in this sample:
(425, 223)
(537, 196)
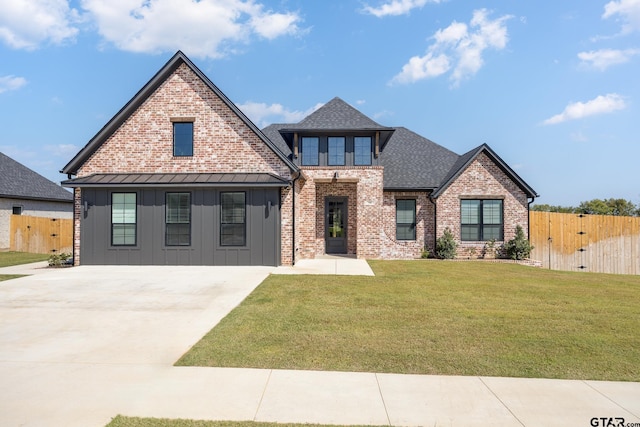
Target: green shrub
(518, 247)
(58, 260)
(446, 246)
(424, 254)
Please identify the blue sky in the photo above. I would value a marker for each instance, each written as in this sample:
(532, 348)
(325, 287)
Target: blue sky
(552, 87)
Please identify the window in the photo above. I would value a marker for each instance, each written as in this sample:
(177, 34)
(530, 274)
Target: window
(17, 210)
(481, 220)
(123, 219)
(183, 138)
(178, 219)
(405, 219)
(310, 151)
(362, 150)
(232, 219)
(336, 151)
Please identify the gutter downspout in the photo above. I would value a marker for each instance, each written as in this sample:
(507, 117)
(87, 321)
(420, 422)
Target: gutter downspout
(529, 217)
(435, 222)
(293, 218)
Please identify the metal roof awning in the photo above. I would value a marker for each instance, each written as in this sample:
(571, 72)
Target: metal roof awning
(178, 180)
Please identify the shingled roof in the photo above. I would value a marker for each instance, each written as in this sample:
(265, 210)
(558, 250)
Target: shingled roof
(338, 115)
(411, 162)
(20, 182)
(414, 162)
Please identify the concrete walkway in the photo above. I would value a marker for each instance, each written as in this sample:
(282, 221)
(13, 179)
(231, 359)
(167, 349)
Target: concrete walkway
(328, 264)
(80, 345)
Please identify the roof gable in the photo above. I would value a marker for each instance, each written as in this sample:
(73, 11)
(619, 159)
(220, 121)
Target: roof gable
(147, 90)
(466, 159)
(20, 182)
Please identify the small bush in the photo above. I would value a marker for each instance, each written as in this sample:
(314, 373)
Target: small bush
(58, 260)
(446, 246)
(518, 247)
(424, 254)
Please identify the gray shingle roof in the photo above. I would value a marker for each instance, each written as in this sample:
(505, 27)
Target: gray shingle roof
(273, 133)
(413, 162)
(19, 182)
(337, 115)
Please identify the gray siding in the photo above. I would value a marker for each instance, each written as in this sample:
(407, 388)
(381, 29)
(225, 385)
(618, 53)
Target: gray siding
(262, 229)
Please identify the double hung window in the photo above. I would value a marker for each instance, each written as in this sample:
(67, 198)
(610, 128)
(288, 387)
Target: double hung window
(310, 150)
(233, 230)
(178, 219)
(362, 150)
(123, 219)
(481, 220)
(336, 151)
(405, 219)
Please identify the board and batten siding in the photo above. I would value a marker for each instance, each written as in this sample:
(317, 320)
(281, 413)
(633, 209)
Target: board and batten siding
(262, 229)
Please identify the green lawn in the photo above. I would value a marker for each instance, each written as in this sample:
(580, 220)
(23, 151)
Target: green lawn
(15, 258)
(121, 421)
(430, 317)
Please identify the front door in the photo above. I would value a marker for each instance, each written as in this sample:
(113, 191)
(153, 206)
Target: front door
(336, 225)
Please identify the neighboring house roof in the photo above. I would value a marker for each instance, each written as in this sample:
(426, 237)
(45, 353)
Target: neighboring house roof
(147, 90)
(413, 162)
(20, 182)
(178, 180)
(465, 160)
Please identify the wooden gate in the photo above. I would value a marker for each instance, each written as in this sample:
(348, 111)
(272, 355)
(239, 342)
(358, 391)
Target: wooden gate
(41, 235)
(596, 243)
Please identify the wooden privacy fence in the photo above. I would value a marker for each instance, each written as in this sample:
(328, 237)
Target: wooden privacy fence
(41, 235)
(596, 243)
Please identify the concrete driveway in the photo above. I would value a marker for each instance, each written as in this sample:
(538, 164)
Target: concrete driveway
(78, 343)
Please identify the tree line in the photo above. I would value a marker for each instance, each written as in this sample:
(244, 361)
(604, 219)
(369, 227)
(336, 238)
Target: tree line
(618, 207)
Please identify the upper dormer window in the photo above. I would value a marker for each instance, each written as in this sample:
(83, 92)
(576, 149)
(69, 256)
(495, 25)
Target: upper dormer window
(336, 151)
(362, 150)
(310, 149)
(183, 138)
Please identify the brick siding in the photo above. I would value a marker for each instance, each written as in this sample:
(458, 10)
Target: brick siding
(482, 179)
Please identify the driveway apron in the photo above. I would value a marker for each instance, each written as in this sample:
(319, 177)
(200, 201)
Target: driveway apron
(77, 344)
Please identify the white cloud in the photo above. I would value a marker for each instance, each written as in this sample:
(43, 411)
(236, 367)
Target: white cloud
(205, 28)
(8, 83)
(396, 7)
(28, 23)
(605, 58)
(423, 67)
(263, 114)
(578, 110)
(627, 11)
(459, 47)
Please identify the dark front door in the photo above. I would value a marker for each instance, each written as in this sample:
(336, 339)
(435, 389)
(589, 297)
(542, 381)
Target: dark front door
(336, 225)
